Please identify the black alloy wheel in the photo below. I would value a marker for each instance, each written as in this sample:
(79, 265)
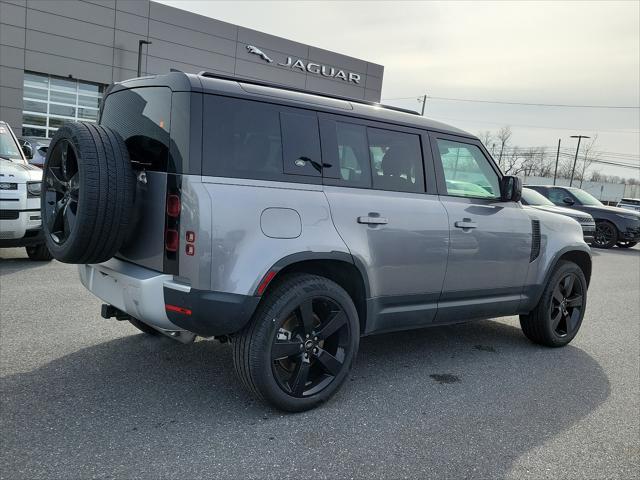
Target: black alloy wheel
(567, 303)
(61, 191)
(557, 317)
(300, 344)
(606, 235)
(309, 350)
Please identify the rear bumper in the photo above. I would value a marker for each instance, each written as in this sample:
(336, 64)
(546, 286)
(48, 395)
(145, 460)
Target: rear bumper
(209, 313)
(144, 293)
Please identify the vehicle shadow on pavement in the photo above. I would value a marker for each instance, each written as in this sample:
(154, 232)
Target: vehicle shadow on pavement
(12, 265)
(455, 401)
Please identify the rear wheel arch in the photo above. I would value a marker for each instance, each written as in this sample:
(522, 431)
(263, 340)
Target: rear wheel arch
(339, 267)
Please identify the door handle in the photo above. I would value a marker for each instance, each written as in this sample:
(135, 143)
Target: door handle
(373, 220)
(466, 223)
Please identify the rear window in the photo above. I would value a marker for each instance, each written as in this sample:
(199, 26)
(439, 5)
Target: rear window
(396, 161)
(255, 140)
(142, 117)
(367, 157)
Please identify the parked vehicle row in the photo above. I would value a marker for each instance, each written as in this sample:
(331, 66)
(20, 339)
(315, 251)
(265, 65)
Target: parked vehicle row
(614, 226)
(533, 199)
(20, 188)
(291, 224)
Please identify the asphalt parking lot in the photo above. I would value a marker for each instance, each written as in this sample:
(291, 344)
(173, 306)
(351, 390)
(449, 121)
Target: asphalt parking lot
(84, 397)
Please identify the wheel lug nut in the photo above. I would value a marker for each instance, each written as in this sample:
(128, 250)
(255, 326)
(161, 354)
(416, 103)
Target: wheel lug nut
(315, 350)
(315, 339)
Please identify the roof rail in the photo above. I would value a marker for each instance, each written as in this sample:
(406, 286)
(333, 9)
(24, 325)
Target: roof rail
(263, 83)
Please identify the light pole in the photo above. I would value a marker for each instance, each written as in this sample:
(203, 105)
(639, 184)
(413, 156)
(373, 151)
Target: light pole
(140, 43)
(423, 100)
(575, 160)
(555, 172)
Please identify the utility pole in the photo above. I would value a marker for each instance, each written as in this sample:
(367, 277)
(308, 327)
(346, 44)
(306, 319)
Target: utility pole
(575, 160)
(140, 43)
(555, 172)
(423, 100)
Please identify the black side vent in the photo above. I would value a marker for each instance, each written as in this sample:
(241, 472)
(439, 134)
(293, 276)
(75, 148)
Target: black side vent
(535, 240)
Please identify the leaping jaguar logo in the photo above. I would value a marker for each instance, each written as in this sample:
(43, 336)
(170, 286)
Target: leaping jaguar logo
(260, 53)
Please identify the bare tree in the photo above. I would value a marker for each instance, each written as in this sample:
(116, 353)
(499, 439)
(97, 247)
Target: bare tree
(503, 136)
(596, 176)
(512, 163)
(589, 156)
(486, 138)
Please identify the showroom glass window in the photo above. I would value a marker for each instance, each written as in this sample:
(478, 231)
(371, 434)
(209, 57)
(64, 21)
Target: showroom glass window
(50, 101)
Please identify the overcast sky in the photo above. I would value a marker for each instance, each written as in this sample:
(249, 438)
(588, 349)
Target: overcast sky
(582, 53)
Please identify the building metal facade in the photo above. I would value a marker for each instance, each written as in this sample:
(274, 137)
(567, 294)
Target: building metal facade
(57, 57)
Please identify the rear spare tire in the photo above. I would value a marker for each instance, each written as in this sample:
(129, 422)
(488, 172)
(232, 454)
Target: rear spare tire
(88, 193)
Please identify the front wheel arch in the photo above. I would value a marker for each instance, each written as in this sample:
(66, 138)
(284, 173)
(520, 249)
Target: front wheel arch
(580, 258)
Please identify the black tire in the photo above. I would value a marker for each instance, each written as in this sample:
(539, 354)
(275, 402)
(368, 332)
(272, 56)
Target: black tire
(606, 235)
(539, 326)
(626, 244)
(39, 253)
(276, 380)
(143, 327)
(88, 193)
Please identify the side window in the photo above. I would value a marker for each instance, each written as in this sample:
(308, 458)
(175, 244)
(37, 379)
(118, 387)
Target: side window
(301, 139)
(557, 195)
(241, 139)
(353, 154)
(396, 161)
(467, 171)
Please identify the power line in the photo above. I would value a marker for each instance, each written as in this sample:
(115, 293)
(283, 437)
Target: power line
(528, 104)
(484, 122)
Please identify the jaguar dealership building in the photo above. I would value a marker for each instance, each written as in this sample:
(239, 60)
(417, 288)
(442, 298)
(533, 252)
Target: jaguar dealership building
(58, 57)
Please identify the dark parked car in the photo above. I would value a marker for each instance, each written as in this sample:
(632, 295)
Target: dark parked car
(614, 226)
(630, 204)
(533, 199)
(35, 149)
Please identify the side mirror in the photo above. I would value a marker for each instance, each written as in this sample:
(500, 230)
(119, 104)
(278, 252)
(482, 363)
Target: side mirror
(568, 200)
(510, 189)
(28, 151)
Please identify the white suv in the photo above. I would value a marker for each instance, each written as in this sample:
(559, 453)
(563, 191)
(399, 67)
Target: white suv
(20, 185)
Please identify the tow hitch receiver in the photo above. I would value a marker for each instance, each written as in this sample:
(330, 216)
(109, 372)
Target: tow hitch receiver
(109, 311)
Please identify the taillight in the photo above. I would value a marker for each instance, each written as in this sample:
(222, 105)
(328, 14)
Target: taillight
(171, 240)
(172, 212)
(173, 206)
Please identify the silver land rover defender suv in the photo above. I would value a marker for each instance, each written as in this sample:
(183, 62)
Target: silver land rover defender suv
(292, 224)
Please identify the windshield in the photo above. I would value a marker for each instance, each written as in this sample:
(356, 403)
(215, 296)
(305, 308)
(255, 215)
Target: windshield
(9, 148)
(531, 197)
(586, 198)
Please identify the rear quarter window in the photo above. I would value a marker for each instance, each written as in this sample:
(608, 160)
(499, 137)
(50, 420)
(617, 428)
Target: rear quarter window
(262, 141)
